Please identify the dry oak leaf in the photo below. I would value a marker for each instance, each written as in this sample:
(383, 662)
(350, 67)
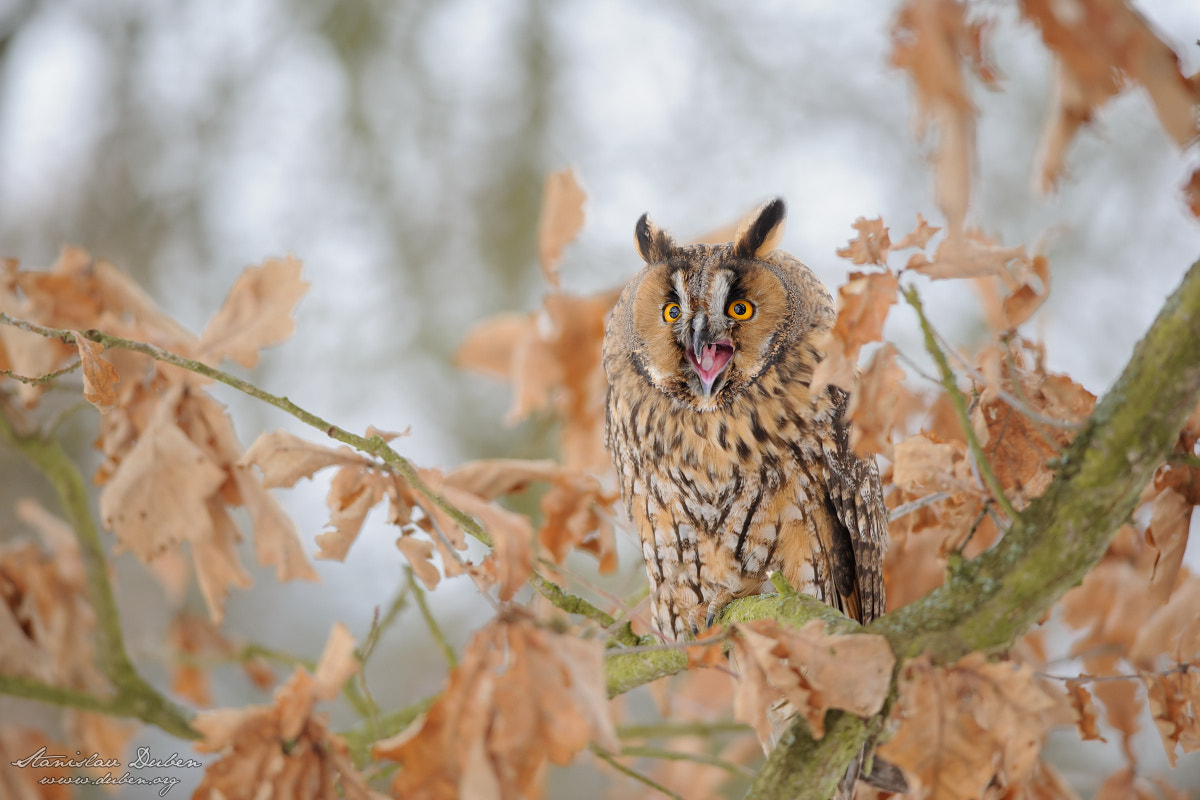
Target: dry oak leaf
(1084, 710)
(256, 313)
(812, 671)
(285, 458)
(973, 255)
(1167, 533)
(552, 358)
(285, 750)
(1172, 633)
(1029, 296)
(511, 560)
(160, 495)
(1175, 705)
(872, 244)
(931, 41)
(875, 404)
(1100, 45)
(521, 695)
(1046, 784)
(988, 722)
(276, 540)
(560, 221)
(576, 510)
(46, 618)
(863, 304)
(1125, 785)
(99, 376)
(919, 236)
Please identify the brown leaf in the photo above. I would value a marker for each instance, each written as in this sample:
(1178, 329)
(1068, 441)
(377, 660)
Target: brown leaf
(159, 495)
(1170, 521)
(284, 749)
(990, 720)
(511, 559)
(99, 376)
(419, 553)
(1172, 632)
(919, 237)
(1028, 298)
(931, 41)
(194, 638)
(1191, 193)
(1084, 709)
(490, 346)
(521, 695)
(872, 244)
(561, 220)
(874, 406)
(1100, 45)
(863, 304)
(285, 458)
(355, 490)
(1047, 784)
(974, 256)
(46, 620)
(813, 671)
(577, 512)
(1175, 705)
(1124, 785)
(496, 477)
(256, 313)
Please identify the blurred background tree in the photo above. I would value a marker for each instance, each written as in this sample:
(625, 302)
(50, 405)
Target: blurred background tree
(399, 149)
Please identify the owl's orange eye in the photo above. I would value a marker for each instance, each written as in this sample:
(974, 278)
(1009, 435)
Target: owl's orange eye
(740, 309)
(671, 312)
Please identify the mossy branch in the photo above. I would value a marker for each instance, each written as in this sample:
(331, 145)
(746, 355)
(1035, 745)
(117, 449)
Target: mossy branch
(987, 603)
(134, 697)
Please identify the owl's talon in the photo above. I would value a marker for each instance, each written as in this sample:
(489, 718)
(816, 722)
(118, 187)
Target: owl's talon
(708, 621)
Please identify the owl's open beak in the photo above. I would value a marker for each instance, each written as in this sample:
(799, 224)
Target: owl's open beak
(709, 360)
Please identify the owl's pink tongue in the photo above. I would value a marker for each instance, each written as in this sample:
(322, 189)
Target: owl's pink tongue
(712, 359)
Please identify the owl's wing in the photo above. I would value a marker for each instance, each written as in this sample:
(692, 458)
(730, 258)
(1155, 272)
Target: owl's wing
(860, 532)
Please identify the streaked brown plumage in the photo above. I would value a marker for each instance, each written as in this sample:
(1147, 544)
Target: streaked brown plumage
(731, 472)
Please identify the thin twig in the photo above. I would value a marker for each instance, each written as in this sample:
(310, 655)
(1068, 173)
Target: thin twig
(916, 505)
(380, 625)
(632, 773)
(642, 751)
(669, 730)
(40, 379)
(372, 445)
(960, 404)
(1181, 668)
(434, 629)
(1019, 403)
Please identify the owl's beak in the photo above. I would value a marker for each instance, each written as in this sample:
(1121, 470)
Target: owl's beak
(708, 359)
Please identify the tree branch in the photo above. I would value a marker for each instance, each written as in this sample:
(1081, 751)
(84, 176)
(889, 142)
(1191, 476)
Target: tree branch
(986, 603)
(135, 697)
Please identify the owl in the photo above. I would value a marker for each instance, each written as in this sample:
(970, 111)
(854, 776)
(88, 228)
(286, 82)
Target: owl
(730, 465)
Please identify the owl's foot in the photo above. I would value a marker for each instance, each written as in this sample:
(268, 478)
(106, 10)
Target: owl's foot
(716, 606)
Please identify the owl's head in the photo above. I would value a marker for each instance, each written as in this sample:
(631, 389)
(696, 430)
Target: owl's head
(704, 322)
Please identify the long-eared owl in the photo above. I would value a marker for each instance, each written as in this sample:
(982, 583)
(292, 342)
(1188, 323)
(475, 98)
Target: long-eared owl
(730, 466)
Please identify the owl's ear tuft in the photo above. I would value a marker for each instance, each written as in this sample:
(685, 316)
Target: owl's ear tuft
(760, 232)
(653, 243)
